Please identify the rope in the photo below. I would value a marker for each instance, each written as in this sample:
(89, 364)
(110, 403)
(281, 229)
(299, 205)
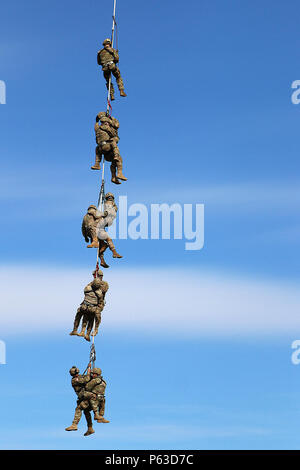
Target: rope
(102, 189)
(112, 45)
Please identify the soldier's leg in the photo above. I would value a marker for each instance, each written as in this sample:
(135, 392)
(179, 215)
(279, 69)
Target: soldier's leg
(79, 314)
(77, 417)
(90, 324)
(84, 320)
(102, 248)
(98, 158)
(101, 412)
(94, 402)
(112, 248)
(118, 160)
(113, 169)
(89, 422)
(119, 164)
(98, 319)
(94, 238)
(107, 76)
(117, 74)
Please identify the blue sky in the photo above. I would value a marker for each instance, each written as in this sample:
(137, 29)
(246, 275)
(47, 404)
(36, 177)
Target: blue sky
(196, 346)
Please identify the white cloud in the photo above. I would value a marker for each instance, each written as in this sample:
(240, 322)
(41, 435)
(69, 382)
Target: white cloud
(158, 301)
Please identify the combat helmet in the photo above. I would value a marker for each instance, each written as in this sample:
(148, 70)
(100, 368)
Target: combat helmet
(97, 273)
(74, 370)
(109, 196)
(106, 41)
(97, 371)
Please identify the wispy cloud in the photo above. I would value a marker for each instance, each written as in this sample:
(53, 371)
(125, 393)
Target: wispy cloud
(154, 301)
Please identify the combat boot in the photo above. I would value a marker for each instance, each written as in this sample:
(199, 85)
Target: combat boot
(103, 263)
(102, 420)
(112, 98)
(74, 333)
(94, 244)
(115, 180)
(96, 166)
(73, 427)
(97, 416)
(82, 333)
(115, 254)
(120, 172)
(89, 431)
(87, 336)
(122, 93)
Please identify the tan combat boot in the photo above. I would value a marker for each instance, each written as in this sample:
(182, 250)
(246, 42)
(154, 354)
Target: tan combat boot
(122, 93)
(73, 333)
(115, 254)
(96, 166)
(96, 416)
(89, 431)
(73, 427)
(114, 178)
(103, 262)
(87, 336)
(102, 420)
(82, 333)
(94, 244)
(120, 172)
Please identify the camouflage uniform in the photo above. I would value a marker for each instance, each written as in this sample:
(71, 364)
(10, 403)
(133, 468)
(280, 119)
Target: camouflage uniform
(108, 57)
(109, 215)
(78, 383)
(89, 226)
(107, 145)
(95, 394)
(91, 307)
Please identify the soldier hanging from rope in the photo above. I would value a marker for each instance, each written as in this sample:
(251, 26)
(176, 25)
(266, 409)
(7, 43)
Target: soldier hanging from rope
(94, 224)
(108, 57)
(91, 307)
(78, 383)
(89, 226)
(94, 393)
(109, 215)
(107, 145)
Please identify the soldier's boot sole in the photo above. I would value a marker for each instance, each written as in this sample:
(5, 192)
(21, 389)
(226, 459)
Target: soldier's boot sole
(87, 338)
(73, 333)
(73, 427)
(112, 98)
(116, 255)
(115, 180)
(95, 167)
(103, 420)
(93, 245)
(97, 416)
(104, 264)
(120, 176)
(122, 93)
(89, 432)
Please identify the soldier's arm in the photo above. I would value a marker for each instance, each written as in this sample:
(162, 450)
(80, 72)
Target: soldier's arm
(88, 288)
(98, 58)
(116, 55)
(91, 384)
